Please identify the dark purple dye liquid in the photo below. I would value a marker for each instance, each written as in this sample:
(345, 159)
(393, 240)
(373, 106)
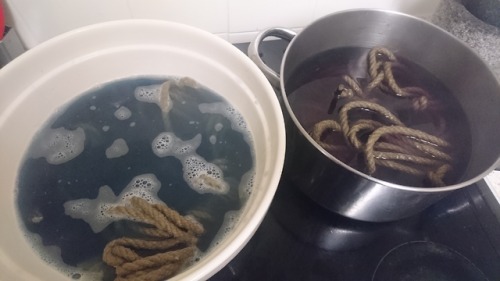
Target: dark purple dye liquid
(312, 87)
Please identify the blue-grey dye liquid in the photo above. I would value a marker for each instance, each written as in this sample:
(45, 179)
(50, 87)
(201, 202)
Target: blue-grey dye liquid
(119, 131)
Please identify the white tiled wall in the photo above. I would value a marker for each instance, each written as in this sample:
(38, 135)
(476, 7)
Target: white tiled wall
(233, 20)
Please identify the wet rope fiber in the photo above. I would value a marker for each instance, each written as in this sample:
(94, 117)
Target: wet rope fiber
(170, 242)
(388, 143)
(381, 62)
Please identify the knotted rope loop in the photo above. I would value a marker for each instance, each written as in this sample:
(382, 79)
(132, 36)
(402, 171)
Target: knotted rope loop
(380, 67)
(385, 141)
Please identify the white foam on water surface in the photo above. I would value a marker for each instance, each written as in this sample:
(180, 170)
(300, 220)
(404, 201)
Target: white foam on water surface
(200, 175)
(231, 219)
(167, 144)
(228, 111)
(95, 211)
(246, 185)
(154, 94)
(203, 176)
(212, 139)
(237, 122)
(218, 127)
(117, 149)
(52, 256)
(123, 113)
(59, 145)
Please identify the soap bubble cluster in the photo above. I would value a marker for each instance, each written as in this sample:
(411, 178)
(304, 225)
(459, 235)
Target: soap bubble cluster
(59, 145)
(237, 122)
(150, 93)
(96, 211)
(203, 176)
(167, 144)
(199, 174)
(144, 186)
(154, 94)
(231, 219)
(162, 144)
(228, 111)
(123, 113)
(186, 147)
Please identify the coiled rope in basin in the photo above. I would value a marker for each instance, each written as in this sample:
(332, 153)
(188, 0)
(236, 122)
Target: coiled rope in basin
(169, 242)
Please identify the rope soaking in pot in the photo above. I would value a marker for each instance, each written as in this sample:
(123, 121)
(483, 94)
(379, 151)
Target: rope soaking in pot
(389, 142)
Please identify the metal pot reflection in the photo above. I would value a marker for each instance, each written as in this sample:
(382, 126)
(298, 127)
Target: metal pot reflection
(317, 226)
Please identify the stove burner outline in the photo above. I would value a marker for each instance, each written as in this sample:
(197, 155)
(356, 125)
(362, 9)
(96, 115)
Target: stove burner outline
(426, 260)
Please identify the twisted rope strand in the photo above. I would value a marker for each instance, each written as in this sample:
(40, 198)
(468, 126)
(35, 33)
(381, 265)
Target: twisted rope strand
(354, 85)
(380, 65)
(405, 158)
(358, 126)
(171, 238)
(360, 104)
(392, 145)
(400, 130)
(437, 176)
(321, 128)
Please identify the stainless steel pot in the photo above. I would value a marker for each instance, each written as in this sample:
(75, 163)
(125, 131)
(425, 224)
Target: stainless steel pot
(347, 191)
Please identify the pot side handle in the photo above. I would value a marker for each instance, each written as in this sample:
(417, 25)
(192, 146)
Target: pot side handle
(253, 51)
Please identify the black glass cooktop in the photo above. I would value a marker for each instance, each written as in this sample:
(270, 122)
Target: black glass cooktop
(458, 238)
